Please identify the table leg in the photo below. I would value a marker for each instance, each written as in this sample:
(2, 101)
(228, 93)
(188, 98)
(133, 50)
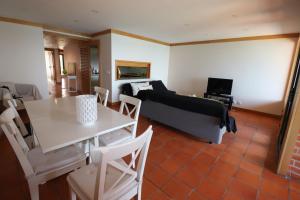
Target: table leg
(90, 158)
(96, 141)
(35, 140)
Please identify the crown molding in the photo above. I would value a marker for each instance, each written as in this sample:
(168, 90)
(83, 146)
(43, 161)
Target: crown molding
(66, 32)
(20, 21)
(70, 33)
(139, 37)
(107, 31)
(119, 32)
(238, 39)
(45, 27)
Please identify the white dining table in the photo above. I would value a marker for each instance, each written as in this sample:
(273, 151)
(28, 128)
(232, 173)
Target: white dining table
(55, 126)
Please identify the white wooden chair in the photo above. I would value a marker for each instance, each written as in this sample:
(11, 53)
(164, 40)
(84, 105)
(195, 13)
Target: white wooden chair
(29, 139)
(10, 102)
(39, 167)
(112, 178)
(102, 94)
(18, 119)
(6, 98)
(17, 101)
(124, 134)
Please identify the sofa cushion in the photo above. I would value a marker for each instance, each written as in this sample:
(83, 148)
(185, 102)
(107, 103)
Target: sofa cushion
(126, 89)
(193, 104)
(136, 87)
(158, 86)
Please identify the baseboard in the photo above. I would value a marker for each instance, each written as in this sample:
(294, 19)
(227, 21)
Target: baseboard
(257, 112)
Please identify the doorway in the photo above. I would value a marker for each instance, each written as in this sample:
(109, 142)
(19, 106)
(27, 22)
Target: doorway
(89, 66)
(63, 70)
(95, 76)
(68, 57)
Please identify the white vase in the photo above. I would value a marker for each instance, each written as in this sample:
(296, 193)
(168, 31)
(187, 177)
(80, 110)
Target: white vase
(86, 109)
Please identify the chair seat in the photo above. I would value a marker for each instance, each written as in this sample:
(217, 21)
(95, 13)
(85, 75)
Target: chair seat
(83, 181)
(44, 162)
(115, 137)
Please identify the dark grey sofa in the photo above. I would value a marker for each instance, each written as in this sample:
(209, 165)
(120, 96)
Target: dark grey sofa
(202, 126)
(199, 125)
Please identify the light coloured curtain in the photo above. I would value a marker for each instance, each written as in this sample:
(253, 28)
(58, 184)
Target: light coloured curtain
(49, 65)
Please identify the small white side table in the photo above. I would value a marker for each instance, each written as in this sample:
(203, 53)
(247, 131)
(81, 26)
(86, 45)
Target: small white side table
(72, 78)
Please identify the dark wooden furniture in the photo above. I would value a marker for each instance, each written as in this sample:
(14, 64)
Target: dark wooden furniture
(226, 99)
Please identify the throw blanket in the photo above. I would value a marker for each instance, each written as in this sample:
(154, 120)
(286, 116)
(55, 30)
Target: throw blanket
(27, 91)
(193, 104)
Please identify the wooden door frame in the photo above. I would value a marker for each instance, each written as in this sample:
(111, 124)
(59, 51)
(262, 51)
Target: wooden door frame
(84, 75)
(291, 132)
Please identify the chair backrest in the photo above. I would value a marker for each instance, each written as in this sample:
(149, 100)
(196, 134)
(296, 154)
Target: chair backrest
(18, 119)
(102, 94)
(7, 96)
(135, 110)
(16, 140)
(109, 157)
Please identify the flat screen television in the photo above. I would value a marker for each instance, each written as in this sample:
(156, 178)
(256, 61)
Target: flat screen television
(219, 86)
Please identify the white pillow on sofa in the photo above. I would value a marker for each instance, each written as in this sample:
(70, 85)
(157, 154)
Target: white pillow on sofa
(136, 87)
(149, 87)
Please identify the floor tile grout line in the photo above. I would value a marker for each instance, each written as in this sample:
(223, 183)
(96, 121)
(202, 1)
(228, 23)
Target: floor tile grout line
(237, 170)
(160, 188)
(213, 165)
(264, 167)
(184, 166)
(179, 169)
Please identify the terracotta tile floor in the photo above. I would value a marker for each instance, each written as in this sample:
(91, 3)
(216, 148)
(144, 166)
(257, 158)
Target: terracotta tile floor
(182, 167)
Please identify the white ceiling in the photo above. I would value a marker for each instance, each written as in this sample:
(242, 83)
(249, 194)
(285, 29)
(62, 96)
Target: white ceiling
(166, 20)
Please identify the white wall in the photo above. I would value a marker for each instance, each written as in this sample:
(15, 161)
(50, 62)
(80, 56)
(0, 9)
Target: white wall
(127, 48)
(259, 68)
(105, 61)
(22, 57)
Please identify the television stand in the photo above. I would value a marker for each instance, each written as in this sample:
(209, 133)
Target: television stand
(226, 99)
